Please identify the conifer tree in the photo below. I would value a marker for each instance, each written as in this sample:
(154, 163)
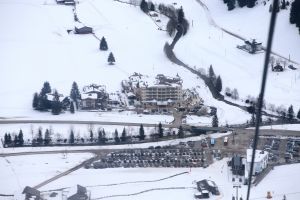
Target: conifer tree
(9, 141)
(47, 138)
(35, 101)
(72, 109)
(152, 7)
(160, 130)
(298, 114)
(231, 4)
(20, 138)
(283, 4)
(251, 3)
(103, 44)
(144, 6)
(117, 139)
(180, 132)
(111, 59)
(99, 140)
(291, 114)
(56, 104)
(75, 93)
(91, 136)
(141, 132)
(215, 121)
(295, 12)
(211, 73)
(40, 137)
(180, 17)
(219, 84)
(16, 141)
(242, 3)
(46, 88)
(72, 137)
(124, 135)
(5, 138)
(103, 136)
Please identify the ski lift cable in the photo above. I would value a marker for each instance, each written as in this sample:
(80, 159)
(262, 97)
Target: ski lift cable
(262, 90)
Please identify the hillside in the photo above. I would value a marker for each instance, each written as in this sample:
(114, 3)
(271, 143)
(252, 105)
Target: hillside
(36, 48)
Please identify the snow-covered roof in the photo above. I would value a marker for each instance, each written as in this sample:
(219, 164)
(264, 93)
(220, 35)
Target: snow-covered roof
(89, 96)
(259, 155)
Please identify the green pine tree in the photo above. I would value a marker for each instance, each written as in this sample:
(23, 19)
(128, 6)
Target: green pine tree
(111, 59)
(117, 139)
(160, 130)
(20, 138)
(180, 132)
(124, 135)
(103, 44)
(142, 132)
(290, 114)
(215, 121)
(72, 137)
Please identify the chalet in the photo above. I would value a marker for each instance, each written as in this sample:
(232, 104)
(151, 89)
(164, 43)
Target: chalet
(89, 101)
(251, 46)
(114, 100)
(83, 30)
(81, 194)
(260, 161)
(31, 193)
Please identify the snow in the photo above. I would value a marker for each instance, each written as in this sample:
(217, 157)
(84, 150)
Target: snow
(290, 127)
(61, 58)
(87, 148)
(276, 182)
(259, 155)
(30, 170)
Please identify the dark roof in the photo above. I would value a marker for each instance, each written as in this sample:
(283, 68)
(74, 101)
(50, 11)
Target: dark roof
(78, 197)
(31, 191)
(83, 30)
(81, 189)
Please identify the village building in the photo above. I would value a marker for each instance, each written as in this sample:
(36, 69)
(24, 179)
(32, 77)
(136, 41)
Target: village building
(260, 161)
(31, 193)
(251, 46)
(94, 97)
(165, 93)
(89, 101)
(80, 194)
(83, 30)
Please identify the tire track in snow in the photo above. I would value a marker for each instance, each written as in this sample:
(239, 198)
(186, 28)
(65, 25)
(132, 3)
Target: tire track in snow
(125, 183)
(144, 191)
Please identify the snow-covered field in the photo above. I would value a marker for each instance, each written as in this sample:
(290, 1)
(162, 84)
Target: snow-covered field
(46, 52)
(217, 172)
(290, 127)
(30, 170)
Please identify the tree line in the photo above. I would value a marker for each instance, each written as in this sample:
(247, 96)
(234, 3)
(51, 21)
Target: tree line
(94, 138)
(48, 99)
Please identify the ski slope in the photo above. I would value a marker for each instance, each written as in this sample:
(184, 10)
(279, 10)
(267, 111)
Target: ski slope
(36, 48)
